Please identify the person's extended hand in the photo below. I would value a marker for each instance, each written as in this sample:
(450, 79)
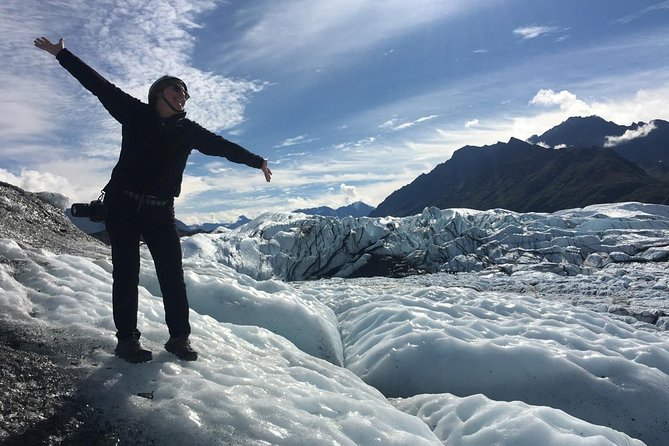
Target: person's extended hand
(45, 44)
(266, 171)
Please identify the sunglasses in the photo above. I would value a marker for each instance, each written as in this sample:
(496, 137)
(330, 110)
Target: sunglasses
(180, 89)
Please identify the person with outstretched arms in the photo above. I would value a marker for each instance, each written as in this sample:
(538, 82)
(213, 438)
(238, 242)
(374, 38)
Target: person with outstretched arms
(157, 139)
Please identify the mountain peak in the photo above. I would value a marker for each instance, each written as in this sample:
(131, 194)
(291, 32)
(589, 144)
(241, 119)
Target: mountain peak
(580, 132)
(591, 119)
(515, 142)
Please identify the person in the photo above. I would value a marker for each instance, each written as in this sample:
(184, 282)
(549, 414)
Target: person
(157, 139)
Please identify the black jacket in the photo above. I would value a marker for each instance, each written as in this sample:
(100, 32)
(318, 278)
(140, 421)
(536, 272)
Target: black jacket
(154, 150)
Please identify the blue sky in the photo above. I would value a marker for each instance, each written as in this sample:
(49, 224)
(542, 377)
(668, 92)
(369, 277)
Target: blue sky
(349, 100)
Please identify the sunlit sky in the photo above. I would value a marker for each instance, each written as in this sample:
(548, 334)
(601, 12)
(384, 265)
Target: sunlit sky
(348, 99)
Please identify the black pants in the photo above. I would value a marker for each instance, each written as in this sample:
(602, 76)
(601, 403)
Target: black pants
(126, 224)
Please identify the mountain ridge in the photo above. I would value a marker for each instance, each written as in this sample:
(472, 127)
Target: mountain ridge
(357, 209)
(527, 177)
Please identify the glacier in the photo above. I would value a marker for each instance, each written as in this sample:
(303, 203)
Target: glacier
(497, 328)
(299, 247)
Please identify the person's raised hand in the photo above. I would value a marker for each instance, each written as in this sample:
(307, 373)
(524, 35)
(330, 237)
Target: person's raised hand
(45, 44)
(266, 171)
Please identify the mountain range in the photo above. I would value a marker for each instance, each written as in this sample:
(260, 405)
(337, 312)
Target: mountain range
(357, 209)
(582, 161)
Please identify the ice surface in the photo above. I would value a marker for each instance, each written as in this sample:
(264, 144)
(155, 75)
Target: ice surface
(577, 241)
(249, 387)
(477, 420)
(508, 356)
(417, 335)
(227, 296)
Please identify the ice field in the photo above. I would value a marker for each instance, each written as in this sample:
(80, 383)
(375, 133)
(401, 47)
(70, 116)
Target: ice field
(506, 353)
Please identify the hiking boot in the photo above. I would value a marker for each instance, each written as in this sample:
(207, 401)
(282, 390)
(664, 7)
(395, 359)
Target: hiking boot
(181, 348)
(131, 351)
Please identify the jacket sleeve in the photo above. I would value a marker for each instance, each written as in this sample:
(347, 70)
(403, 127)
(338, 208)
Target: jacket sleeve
(212, 144)
(119, 104)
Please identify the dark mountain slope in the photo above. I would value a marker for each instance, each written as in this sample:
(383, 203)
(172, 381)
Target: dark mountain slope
(526, 178)
(650, 152)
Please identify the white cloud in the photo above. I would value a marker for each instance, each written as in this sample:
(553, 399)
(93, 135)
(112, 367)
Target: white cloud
(78, 178)
(193, 185)
(389, 123)
(303, 185)
(644, 11)
(639, 132)
(27, 117)
(351, 193)
(345, 147)
(141, 41)
(301, 139)
(406, 125)
(34, 181)
(564, 99)
(532, 32)
(472, 123)
(644, 105)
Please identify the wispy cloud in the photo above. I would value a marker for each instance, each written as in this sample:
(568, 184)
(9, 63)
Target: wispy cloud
(395, 125)
(136, 44)
(141, 41)
(629, 135)
(346, 146)
(301, 139)
(472, 123)
(532, 32)
(292, 33)
(628, 18)
(389, 124)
